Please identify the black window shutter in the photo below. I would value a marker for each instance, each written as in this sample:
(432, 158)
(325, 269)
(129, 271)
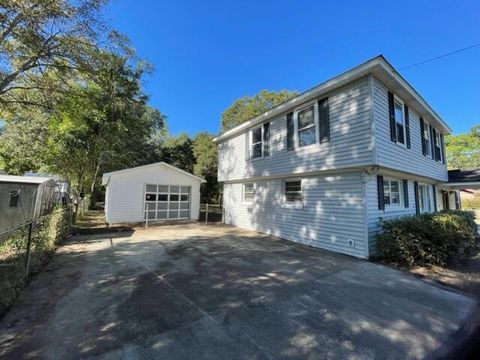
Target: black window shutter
(405, 193)
(432, 140)
(417, 204)
(391, 112)
(381, 200)
(434, 188)
(290, 131)
(443, 148)
(266, 139)
(422, 130)
(407, 127)
(324, 121)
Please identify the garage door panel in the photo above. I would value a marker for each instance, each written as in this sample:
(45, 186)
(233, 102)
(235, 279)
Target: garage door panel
(167, 202)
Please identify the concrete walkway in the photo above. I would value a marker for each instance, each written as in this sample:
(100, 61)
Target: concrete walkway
(218, 292)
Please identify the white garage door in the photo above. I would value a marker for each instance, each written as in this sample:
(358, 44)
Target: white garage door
(167, 202)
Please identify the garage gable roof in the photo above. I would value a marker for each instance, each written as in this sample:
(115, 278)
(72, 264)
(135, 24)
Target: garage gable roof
(106, 176)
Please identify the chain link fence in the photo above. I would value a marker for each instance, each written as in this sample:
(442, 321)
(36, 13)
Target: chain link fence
(27, 247)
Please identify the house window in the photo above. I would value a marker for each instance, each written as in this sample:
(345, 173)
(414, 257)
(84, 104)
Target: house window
(14, 196)
(293, 191)
(438, 144)
(426, 138)
(256, 147)
(399, 121)
(260, 141)
(425, 198)
(248, 192)
(391, 193)
(306, 126)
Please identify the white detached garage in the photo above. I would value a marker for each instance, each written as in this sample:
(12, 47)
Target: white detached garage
(157, 191)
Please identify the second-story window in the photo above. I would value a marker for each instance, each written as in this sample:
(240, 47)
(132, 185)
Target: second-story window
(399, 121)
(438, 144)
(306, 127)
(256, 143)
(260, 141)
(426, 138)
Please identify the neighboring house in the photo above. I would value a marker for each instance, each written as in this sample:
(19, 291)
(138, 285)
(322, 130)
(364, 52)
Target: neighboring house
(324, 167)
(152, 192)
(24, 198)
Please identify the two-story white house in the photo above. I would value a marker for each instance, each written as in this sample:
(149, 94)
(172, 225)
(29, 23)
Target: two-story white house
(324, 167)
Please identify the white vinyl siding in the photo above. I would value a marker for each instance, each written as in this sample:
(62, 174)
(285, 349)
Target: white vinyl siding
(333, 212)
(126, 193)
(350, 141)
(396, 157)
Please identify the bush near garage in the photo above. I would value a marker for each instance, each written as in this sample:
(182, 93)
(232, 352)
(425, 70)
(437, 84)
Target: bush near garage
(442, 239)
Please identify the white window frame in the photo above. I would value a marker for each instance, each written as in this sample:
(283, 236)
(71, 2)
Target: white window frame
(296, 138)
(391, 206)
(398, 100)
(293, 204)
(423, 205)
(426, 127)
(251, 144)
(439, 143)
(244, 185)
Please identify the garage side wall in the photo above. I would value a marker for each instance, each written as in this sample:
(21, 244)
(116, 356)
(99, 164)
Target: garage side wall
(333, 212)
(125, 192)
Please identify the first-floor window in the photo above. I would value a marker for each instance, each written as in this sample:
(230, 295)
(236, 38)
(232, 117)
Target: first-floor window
(391, 192)
(248, 192)
(425, 198)
(293, 191)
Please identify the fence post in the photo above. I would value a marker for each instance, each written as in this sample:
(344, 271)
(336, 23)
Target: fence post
(206, 214)
(29, 246)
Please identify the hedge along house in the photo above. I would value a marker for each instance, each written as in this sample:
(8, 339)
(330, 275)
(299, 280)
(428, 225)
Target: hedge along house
(155, 192)
(324, 167)
(24, 198)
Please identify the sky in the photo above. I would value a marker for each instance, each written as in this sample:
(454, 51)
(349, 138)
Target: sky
(206, 54)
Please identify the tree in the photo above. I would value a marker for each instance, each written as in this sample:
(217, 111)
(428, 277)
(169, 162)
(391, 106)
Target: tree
(463, 150)
(42, 43)
(206, 166)
(248, 107)
(177, 151)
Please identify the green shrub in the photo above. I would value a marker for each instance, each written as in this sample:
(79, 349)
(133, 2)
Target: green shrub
(429, 239)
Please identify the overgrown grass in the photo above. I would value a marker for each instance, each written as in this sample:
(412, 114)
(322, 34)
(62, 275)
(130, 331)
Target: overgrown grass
(46, 234)
(439, 239)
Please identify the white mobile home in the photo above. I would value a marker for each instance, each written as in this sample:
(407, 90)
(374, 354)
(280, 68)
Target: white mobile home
(152, 192)
(324, 167)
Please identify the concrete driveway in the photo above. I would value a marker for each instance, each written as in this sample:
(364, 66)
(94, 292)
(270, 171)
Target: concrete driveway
(218, 292)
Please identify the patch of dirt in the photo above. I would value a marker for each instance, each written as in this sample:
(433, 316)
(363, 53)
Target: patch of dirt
(465, 277)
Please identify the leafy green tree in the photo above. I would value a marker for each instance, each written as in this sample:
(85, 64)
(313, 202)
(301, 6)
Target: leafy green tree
(248, 107)
(44, 43)
(463, 150)
(178, 151)
(206, 166)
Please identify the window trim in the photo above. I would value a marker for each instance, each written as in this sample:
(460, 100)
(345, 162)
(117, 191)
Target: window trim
(428, 147)
(389, 206)
(438, 141)
(252, 192)
(262, 140)
(400, 101)
(296, 139)
(293, 204)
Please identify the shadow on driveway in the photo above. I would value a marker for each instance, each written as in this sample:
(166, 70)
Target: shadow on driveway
(217, 292)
